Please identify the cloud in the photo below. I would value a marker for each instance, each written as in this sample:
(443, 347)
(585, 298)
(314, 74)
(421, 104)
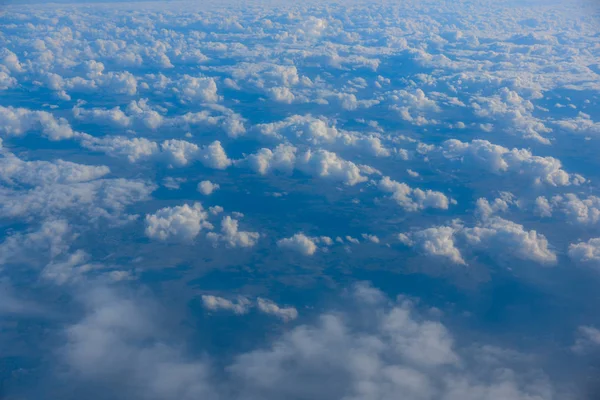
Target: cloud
(413, 199)
(284, 313)
(436, 242)
(180, 223)
(214, 303)
(14, 171)
(232, 236)
(21, 121)
(586, 253)
(588, 339)
(494, 235)
(102, 198)
(207, 187)
(299, 243)
(500, 160)
(389, 350)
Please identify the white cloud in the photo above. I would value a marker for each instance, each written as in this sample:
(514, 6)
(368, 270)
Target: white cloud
(214, 156)
(232, 236)
(215, 303)
(586, 253)
(413, 199)
(588, 339)
(299, 243)
(177, 223)
(499, 160)
(21, 121)
(507, 238)
(35, 173)
(436, 242)
(204, 89)
(207, 187)
(328, 165)
(269, 307)
(103, 198)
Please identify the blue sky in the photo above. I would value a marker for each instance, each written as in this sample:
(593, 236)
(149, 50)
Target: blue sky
(270, 200)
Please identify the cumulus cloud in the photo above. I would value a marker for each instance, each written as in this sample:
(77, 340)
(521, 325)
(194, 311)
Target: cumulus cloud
(102, 198)
(215, 303)
(497, 234)
(207, 187)
(392, 350)
(269, 307)
(181, 223)
(232, 236)
(14, 171)
(436, 241)
(21, 121)
(586, 253)
(299, 243)
(413, 199)
(500, 160)
(494, 235)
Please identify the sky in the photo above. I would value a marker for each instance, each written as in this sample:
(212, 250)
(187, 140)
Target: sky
(271, 200)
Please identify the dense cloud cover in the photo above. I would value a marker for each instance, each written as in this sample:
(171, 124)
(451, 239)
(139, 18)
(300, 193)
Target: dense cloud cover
(299, 200)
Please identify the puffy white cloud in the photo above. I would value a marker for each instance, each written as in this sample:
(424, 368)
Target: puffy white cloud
(179, 152)
(215, 303)
(498, 159)
(47, 241)
(269, 307)
(498, 235)
(586, 253)
(485, 208)
(299, 243)
(20, 121)
(413, 199)
(118, 146)
(494, 235)
(13, 171)
(203, 89)
(177, 223)
(319, 163)
(436, 241)
(282, 158)
(207, 187)
(513, 112)
(388, 350)
(103, 198)
(118, 344)
(232, 236)
(214, 156)
(325, 164)
(585, 211)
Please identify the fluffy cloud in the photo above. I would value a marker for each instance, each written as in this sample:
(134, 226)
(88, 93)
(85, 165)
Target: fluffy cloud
(21, 121)
(498, 159)
(177, 223)
(215, 303)
(436, 241)
(586, 253)
(413, 199)
(494, 235)
(391, 350)
(299, 243)
(207, 187)
(36, 173)
(232, 236)
(103, 198)
(268, 307)
(328, 165)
